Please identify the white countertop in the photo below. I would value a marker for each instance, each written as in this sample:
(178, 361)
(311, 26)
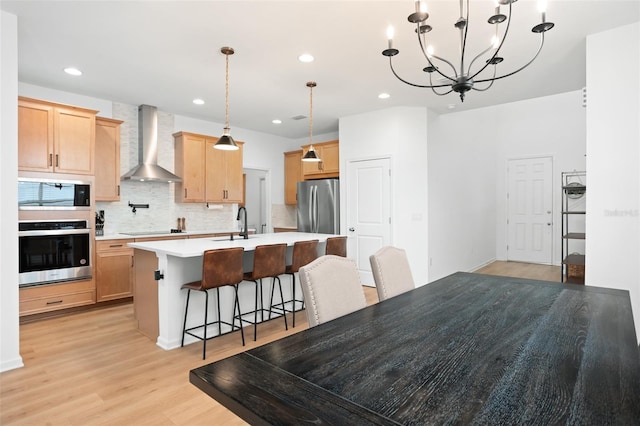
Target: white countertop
(193, 247)
(190, 234)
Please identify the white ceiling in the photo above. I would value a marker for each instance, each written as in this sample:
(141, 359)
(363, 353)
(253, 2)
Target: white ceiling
(166, 53)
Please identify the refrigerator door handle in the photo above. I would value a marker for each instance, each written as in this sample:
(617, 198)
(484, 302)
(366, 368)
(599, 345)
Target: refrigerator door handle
(310, 191)
(315, 209)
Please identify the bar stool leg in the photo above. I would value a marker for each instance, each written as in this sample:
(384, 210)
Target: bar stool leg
(293, 296)
(255, 314)
(284, 312)
(206, 311)
(186, 309)
(237, 305)
(219, 319)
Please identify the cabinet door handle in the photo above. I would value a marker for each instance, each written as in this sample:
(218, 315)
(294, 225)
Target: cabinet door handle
(50, 160)
(54, 302)
(118, 190)
(132, 261)
(57, 162)
(185, 193)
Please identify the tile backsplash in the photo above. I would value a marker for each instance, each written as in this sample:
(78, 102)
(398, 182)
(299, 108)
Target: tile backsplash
(163, 211)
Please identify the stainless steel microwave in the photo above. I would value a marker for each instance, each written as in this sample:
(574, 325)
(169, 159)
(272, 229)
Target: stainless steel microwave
(50, 194)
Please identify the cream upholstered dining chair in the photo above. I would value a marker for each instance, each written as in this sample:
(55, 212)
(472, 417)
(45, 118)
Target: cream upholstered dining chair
(391, 272)
(331, 287)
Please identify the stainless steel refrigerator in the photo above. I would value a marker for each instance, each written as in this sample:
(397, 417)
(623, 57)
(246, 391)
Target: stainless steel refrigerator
(319, 206)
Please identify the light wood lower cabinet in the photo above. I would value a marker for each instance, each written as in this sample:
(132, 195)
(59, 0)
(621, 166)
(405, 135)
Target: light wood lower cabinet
(53, 297)
(114, 270)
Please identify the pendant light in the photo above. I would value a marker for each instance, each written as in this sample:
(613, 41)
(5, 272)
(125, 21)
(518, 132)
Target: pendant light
(226, 142)
(311, 155)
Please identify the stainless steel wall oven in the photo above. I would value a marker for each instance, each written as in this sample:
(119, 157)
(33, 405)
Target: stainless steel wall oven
(54, 251)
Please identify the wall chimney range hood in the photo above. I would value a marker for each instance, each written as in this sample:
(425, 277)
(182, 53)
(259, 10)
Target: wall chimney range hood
(148, 168)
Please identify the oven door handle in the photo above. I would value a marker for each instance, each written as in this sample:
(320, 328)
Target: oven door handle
(50, 232)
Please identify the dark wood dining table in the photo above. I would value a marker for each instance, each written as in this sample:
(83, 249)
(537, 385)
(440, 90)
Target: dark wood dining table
(466, 349)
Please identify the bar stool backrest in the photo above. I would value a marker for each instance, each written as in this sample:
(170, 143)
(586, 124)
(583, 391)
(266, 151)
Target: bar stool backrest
(304, 252)
(336, 246)
(222, 267)
(269, 260)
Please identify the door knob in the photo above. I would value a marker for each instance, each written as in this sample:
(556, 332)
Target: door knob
(351, 229)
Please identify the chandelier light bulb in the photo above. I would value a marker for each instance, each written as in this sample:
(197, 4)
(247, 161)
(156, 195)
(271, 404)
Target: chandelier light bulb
(423, 7)
(495, 41)
(542, 6)
(430, 51)
(390, 33)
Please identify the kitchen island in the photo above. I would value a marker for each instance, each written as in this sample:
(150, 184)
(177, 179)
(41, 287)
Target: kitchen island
(159, 303)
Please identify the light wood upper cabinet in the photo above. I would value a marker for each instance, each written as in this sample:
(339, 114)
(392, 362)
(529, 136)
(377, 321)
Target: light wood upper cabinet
(35, 136)
(107, 168)
(190, 166)
(329, 167)
(224, 183)
(208, 174)
(292, 175)
(55, 138)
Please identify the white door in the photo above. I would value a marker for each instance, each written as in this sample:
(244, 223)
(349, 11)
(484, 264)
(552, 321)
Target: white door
(529, 219)
(368, 214)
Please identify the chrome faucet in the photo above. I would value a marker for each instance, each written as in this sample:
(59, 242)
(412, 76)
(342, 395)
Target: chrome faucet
(244, 234)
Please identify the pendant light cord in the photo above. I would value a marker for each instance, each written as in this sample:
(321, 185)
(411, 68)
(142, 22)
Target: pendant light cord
(311, 85)
(311, 113)
(226, 94)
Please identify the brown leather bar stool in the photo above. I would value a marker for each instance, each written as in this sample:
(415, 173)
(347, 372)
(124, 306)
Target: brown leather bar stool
(304, 252)
(336, 246)
(220, 267)
(269, 260)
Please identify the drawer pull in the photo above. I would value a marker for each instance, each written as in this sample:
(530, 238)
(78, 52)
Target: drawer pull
(54, 302)
(115, 245)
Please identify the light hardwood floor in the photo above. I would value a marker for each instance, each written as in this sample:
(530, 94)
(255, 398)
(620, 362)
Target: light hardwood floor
(94, 368)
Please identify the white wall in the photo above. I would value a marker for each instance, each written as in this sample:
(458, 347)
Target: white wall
(553, 126)
(9, 324)
(613, 162)
(462, 198)
(468, 154)
(400, 134)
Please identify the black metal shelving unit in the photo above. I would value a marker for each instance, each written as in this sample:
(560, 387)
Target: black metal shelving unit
(574, 190)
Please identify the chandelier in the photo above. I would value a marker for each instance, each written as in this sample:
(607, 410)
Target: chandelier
(462, 78)
(226, 142)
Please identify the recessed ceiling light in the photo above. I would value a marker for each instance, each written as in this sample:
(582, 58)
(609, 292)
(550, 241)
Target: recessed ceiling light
(276, 121)
(73, 71)
(384, 96)
(305, 57)
(198, 101)
(451, 106)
